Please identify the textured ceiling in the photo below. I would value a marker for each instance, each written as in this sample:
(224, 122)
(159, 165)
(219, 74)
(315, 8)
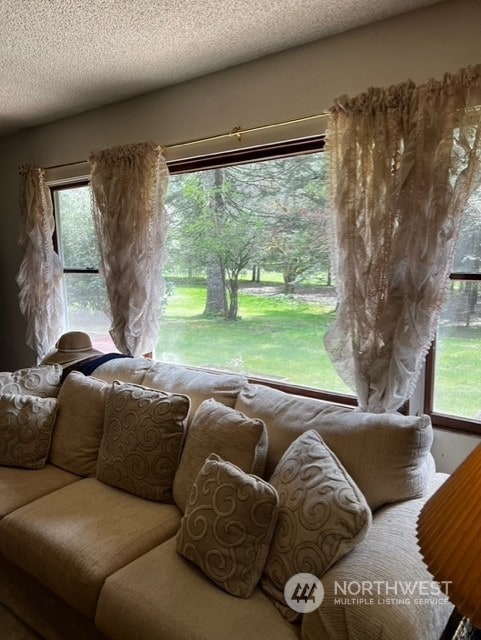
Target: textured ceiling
(59, 57)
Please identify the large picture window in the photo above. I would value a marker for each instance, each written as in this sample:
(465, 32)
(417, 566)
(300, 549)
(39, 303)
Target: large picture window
(249, 287)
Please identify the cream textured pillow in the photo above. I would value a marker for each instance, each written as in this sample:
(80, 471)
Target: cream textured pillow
(322, 516)
(26, 424)
(79, 424)
(228, 525)
(142, 439)
(43, 381)
(219, 429)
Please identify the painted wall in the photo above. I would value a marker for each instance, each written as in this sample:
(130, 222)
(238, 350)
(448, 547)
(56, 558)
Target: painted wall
(284, 86)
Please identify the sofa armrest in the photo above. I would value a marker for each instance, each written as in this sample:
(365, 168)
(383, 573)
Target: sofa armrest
(382, 590)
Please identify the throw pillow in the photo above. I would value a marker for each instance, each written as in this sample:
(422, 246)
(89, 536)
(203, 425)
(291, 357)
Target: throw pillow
(26, 424)
(142, 439)
(79, 424)
(219, 429)
(322, 516)
(228, 525)
(43, 381)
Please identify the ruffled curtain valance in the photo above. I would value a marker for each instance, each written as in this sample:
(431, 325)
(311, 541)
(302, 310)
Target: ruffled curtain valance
(403, 163)
(40, 274)
(129, 185)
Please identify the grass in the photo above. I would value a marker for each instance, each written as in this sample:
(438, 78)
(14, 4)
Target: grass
(458, 358)
(280, 337)
(275, 336)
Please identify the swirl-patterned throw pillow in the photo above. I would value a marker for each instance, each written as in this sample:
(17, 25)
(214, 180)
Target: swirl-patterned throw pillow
(230, 434)
(43, 381)
(228, 525)
(26, 425)
(322, 516)
(142, 439)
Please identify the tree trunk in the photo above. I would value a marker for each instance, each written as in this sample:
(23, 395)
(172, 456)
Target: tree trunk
(216, 300)
(233, 299)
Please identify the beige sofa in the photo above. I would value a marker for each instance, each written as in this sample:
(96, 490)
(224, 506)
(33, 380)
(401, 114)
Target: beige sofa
(84, 559)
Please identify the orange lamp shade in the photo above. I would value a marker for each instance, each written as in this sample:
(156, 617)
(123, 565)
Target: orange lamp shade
(449, 536)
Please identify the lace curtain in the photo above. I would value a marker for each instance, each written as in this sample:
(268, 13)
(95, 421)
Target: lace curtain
(129, 185)
(40, 274)
(403, 163)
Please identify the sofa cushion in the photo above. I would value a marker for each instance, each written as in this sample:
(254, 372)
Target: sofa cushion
(79, 424)
(322, 516)
(21, 486)
(142, 440)
(387, 454)
(382, 588)
(26, 425)
(72, 539)
(123, 369)
(228, 525)
(198, 385)
(163, 595)
(219, 429)
(43, 381)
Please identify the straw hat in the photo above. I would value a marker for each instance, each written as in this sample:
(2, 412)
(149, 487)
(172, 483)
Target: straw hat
(71, 347)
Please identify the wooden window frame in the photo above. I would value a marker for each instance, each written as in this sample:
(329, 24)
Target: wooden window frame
(445, 421)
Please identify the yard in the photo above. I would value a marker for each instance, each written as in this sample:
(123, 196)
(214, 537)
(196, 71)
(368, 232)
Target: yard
(281, 337)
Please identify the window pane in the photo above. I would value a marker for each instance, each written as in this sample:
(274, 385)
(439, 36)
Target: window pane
(457, 388)
(86, 300)
(468, 251)
(249, 286)
(78, 246)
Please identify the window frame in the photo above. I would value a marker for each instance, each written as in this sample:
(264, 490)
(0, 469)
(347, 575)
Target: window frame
(443, 420)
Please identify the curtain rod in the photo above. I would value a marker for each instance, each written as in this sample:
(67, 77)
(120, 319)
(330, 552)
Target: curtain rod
(236, 132)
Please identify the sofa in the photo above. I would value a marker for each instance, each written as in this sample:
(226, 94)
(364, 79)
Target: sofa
(93, 547)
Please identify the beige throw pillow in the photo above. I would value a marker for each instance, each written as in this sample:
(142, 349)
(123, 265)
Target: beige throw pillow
(79, 424)
(26, 424)
(228, 525)
(43, 381)
(142, 439)
(322, 516)
(219, 429)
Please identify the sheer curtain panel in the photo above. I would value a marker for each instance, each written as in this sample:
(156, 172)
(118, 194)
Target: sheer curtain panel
(403, 162)
(129, 185)
(40, 275)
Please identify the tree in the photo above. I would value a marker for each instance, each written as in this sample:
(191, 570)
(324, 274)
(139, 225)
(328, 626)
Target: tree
(225, 220)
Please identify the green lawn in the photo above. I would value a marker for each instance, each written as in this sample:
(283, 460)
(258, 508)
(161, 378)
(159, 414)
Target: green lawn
(281, 338)
(458, 371)
(275, 336)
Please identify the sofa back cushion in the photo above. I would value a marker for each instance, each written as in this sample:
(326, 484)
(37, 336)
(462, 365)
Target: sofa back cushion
(123, 369)
(26, 424)
(198, 385)
(142, 439)
(79, 424)
(222, 430)
(387, 454)
(43, 381)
